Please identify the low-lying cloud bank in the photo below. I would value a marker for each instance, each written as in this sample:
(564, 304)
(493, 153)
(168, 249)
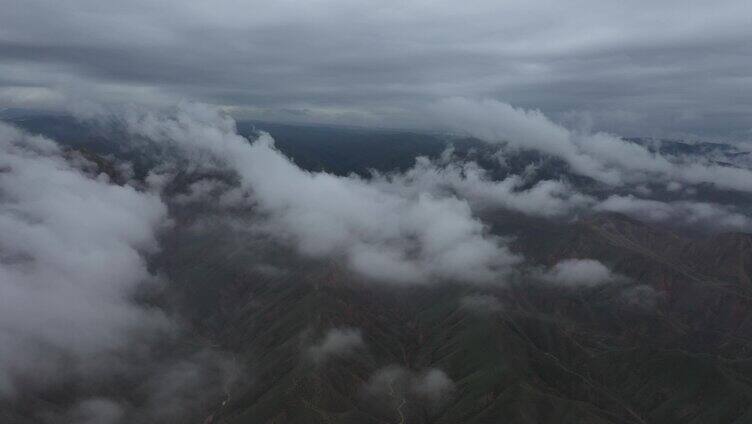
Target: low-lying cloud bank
(468, 180)
(382, 233)
(73, 260)
(70, 259)
(601, 156)
(422, 225)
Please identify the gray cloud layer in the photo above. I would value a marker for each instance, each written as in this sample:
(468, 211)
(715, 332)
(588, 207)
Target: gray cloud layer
(636, 68)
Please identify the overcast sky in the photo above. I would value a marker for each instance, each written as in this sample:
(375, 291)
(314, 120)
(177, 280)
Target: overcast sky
(647, 68)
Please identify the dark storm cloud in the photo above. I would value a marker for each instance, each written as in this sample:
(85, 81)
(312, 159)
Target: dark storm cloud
(669, 68)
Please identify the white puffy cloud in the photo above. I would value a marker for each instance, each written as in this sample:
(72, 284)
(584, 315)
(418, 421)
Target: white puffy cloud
(73, 262)
(547, 198)
(579, 273)
(336, 342)
(449, 175)
(433, 385)
(396, 383)
(71, 258)
(601, 156)
(381, 232)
